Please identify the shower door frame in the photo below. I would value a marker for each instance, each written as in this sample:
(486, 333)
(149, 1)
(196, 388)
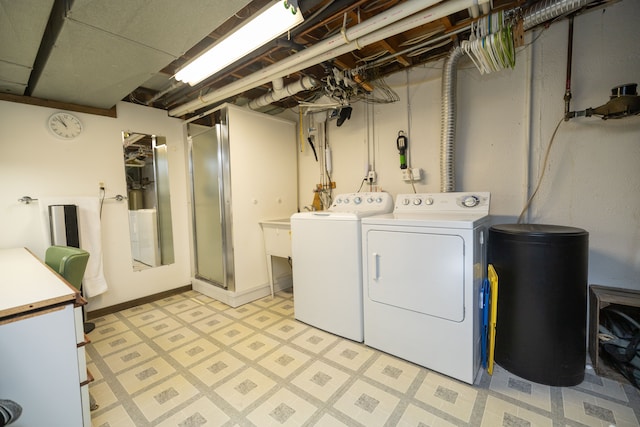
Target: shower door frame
(221, 128)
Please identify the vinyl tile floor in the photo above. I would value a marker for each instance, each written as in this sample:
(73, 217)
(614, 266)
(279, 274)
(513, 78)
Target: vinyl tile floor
(191, 361)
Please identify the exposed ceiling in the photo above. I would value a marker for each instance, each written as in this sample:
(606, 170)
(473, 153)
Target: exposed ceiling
(86, 55)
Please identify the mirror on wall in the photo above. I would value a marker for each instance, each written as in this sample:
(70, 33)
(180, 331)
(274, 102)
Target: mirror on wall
(147, 172)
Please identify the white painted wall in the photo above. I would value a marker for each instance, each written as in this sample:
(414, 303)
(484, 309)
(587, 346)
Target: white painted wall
(505, 121)
(35, 163)
(490, 130)
(592, 179)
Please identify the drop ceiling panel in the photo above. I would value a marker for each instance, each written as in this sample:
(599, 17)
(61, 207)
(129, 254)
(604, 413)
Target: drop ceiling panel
(22, 24)
(106, 49)
(11, 87)
(13, 78)
(94, 68)
(167, 25)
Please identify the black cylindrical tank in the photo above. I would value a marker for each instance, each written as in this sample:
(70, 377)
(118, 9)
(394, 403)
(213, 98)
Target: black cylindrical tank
(542, 301)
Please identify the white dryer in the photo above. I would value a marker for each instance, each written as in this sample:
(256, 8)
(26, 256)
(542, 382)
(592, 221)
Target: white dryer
(423, 267)
(327, 263)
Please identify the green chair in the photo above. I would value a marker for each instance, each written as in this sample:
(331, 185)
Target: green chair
(70, 263)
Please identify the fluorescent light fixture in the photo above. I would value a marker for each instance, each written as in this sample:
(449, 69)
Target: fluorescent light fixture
(269, 24)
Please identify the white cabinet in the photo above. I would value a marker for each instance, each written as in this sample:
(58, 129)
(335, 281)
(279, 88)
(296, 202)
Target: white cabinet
(42, 361)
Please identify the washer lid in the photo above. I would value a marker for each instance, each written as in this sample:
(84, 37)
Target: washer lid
(325, 215)
(433, 219)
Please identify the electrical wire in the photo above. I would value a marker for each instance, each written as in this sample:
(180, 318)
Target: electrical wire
(102, 196)
(409, 131)
(382, 92)
(413, 185)
(544, 168)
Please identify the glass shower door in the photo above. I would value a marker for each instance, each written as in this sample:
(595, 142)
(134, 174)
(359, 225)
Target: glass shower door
(210, 236)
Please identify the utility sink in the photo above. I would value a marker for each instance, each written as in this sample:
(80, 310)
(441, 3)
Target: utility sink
(277, 241)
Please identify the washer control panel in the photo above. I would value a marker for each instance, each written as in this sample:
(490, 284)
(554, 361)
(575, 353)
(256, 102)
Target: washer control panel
(369, 202)
(443, 202)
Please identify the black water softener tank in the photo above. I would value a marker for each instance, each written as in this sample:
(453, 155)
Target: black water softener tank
(542, 301)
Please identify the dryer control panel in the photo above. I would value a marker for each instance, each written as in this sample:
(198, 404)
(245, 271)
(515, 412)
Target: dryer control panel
(443, 202)
(372, 203)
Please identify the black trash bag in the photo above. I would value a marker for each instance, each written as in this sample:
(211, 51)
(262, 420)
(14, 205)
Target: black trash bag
(619, 338)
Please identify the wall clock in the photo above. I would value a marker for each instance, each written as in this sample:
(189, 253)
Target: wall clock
(65, 125)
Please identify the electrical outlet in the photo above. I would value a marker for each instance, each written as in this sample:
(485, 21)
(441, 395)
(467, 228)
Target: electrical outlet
(101, 185)
(371, 177)
(411, 174)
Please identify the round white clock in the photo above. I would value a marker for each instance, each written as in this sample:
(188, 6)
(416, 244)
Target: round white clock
(65, 125)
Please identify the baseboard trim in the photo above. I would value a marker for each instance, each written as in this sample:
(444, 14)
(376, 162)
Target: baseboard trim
(133, 303)
(236, 299)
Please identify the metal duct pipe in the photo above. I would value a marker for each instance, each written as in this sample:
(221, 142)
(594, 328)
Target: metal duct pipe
(546, 10)
(160, 94)
(537, 14)
(353, 38)
(280, 92)
(448, 121)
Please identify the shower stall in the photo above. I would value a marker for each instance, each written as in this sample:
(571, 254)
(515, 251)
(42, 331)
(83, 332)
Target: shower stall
(243, 171)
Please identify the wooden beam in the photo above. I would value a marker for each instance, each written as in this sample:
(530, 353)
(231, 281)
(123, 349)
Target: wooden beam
(401, 59)
(111, 112)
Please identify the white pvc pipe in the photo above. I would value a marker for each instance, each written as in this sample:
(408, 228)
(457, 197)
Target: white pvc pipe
(425, 17)
(267, 74)
(485, 5)
(280, 92)
(474, 11)
(277, 84)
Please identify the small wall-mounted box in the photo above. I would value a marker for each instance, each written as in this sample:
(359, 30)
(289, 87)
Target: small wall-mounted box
(411, 174)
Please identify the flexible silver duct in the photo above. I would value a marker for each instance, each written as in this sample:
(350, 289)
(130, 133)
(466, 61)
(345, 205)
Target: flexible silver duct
(537, 14)
(545, 10)
(448, 121)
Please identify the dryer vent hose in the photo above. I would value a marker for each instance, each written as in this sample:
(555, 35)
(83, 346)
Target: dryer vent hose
(448, 121)
(539, 13)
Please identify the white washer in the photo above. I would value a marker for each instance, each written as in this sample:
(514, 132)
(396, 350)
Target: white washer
(326, 249)
(423, 266)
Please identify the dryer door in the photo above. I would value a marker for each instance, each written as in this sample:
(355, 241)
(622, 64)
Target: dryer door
(418, 271)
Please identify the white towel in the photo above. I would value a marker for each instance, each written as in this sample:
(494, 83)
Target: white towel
(90, 232)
